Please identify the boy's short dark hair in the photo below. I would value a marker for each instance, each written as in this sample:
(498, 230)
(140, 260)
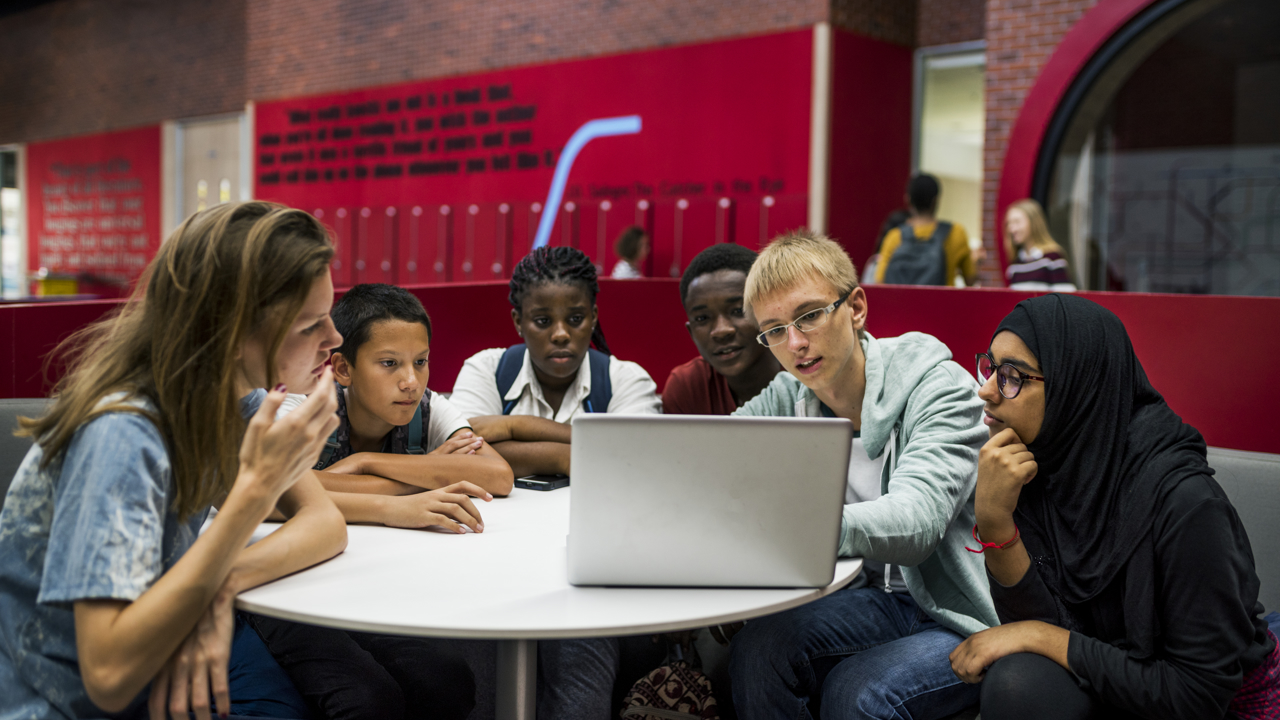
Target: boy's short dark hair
(725, 256)
(922, 192)
(364, 305)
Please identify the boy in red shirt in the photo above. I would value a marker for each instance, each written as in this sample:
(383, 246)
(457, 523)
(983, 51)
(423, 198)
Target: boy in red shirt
(732, 367)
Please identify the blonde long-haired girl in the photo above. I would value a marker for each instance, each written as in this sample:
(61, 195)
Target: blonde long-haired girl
(1036, 261)
(104, 585)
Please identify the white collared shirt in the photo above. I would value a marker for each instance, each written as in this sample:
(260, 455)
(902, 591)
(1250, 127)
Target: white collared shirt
(475, 392)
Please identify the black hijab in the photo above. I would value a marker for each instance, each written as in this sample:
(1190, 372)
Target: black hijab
(1108, 452)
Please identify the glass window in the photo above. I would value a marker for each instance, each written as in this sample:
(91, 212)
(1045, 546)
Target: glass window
(952, 123)
(12, 274)
(1166, 176)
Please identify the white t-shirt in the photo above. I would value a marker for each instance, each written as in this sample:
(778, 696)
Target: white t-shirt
(626, 271)
(475, 392)
(445, 418)
(864, 485)
(864, 474)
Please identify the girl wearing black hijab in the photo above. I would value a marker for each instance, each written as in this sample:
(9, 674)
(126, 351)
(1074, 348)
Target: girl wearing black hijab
(1120, 570)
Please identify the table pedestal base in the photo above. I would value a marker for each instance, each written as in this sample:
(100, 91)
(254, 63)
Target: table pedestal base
(517, 680)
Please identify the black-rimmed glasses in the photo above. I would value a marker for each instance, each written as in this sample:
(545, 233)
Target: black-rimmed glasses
(1009, 379)
(806, 323)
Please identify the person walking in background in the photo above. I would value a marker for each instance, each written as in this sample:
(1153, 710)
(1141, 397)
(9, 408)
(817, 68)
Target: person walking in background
(1039, 262)
(924, 250)
(632, 248)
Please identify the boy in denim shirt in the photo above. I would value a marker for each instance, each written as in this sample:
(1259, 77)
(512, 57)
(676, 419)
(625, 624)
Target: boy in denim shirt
(372, 468)
(405, 457)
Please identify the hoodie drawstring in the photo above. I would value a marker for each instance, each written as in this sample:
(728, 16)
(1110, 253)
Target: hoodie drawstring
(888, 463)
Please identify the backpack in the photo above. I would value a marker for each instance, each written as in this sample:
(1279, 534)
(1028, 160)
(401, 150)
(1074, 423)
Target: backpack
(416, 432)
(674, 691)
(919, 263)
(601, 386)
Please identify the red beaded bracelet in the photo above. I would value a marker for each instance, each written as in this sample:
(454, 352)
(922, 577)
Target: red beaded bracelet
(986, 545)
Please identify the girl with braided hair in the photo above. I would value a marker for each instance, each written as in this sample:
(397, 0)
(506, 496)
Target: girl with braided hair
(564, 266)
(522, 399)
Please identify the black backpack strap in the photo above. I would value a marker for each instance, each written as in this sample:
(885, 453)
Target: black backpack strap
(907, 233)
(330, 447)
(508, 368)
(601, 384)
(416, 433)
(940, 235)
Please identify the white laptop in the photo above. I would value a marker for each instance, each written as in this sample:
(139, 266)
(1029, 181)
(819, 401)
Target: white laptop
(706, 501)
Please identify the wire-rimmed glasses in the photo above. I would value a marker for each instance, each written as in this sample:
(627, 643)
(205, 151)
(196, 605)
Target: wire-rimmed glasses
(806, 323)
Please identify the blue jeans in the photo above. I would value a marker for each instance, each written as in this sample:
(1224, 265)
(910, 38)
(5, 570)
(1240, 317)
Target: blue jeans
(258, 685)
(575, 678)
(856, 653)
(586, 679)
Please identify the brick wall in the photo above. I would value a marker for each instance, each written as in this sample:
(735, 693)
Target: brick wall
(300, 47)
(80, 66)
(891, 20)
(1021, 36)
(943, 22)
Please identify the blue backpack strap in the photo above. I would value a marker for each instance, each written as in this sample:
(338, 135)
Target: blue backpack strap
(508, 368)
(601, 383)
(416, 433)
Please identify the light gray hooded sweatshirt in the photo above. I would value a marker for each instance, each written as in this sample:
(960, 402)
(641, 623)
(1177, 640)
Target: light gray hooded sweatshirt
(924, 410)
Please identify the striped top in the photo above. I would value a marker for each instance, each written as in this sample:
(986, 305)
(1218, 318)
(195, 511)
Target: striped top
(1039, 270)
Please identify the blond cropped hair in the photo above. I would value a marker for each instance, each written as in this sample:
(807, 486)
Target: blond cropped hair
(794, 256)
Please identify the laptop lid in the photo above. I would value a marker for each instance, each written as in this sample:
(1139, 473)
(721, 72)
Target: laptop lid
(706, 501)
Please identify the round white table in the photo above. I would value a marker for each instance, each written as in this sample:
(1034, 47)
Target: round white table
(507, 584)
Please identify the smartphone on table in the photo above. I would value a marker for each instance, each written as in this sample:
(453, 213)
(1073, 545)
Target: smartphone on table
(543, 482)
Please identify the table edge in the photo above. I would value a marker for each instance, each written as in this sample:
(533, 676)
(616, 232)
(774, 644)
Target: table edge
(603, 631)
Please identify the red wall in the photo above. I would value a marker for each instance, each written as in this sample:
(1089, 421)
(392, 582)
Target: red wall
(94, 204)
(455, 170)
(1208, 355)
(1205, 354)
(870, 139)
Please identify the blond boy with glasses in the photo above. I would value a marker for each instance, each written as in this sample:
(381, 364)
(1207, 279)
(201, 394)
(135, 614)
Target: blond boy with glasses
(878, 648)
